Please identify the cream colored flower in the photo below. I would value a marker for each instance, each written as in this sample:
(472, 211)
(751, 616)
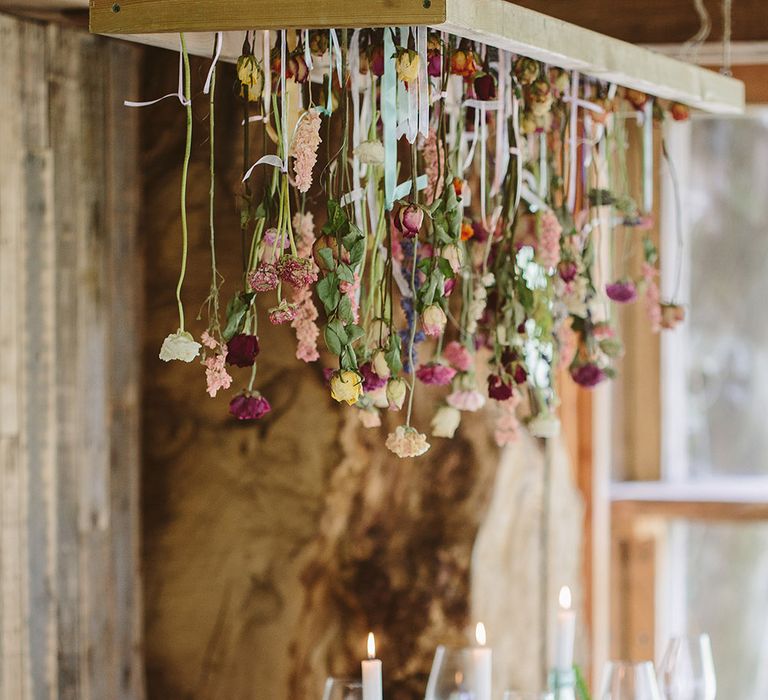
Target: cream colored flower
(407, 442)
(370, 152)
(396, 391)
(407, 66)
(180, 346)
(346, 385)
(251, 77)
(545, 425)
(433, 320)
(445, 421)
(455, 257)
(380, 365)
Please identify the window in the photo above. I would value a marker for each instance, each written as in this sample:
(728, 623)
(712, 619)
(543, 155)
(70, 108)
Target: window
(691, 544)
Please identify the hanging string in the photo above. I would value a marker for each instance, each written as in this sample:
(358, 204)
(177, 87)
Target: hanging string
(727, 31)
(690, 49)
(678, 220)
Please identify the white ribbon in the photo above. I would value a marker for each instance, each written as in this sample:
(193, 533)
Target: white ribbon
(179, 94)
(266, 94)
(501, 159)
(517, 151)
(648, 156)
(354, 69)
(216, 54)
(421, 46)
(573, 137)
(307, 50)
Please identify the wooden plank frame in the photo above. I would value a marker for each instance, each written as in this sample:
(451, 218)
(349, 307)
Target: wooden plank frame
(495, 22)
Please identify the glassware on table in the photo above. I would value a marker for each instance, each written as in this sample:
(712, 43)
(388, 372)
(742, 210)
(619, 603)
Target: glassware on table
(528, 695)
(687, 671)
(343, 689)
(452, 676)
(623, 680)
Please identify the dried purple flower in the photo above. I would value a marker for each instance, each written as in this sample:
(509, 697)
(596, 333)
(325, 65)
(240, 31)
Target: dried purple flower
(622, 292)
(246, 406)
(242, 350)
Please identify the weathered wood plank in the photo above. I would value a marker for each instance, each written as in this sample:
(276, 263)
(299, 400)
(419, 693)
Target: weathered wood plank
(69, 459)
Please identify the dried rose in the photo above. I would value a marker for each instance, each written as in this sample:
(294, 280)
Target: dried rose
(433, 320)
(526, 70)
(622, 291)
(407, 65)
(296, 271)
(436, 374)
(485, 86)
(248, 406)
(298, 67)
(371, 379)
(264, 278)
(251, 77)
(396, 392)
(283, 313)
(499, 389)
(587, 375)
(409, 220)
(347, 386)
(179, 346)
(445, 421)
(242, 350)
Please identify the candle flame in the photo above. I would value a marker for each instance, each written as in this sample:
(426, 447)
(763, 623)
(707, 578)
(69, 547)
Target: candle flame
(565, 598)
(480, 634)
(371, 646)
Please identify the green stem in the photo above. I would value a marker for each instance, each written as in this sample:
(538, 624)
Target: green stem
(184, 176)
(212, 193)
(411, 359)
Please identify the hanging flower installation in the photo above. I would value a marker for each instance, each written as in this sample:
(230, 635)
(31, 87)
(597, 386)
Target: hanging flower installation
(461, 197)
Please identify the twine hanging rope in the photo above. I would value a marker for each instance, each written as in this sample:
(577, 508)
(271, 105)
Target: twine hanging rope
(727, 8)
(690, 49)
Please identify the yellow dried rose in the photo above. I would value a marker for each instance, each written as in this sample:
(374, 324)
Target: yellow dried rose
(251, 77)
(346, 385)
(407, 65)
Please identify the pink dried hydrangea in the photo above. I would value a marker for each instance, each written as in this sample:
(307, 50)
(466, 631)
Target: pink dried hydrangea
(264, 278)
(307, 331)
(507, 428)
(652, 296)
(433, 159)
(216, 375)
(304, 149)
(283, 313)
(297, 271)
(548, 250)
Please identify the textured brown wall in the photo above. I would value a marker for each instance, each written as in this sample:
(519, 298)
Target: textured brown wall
(271, 549)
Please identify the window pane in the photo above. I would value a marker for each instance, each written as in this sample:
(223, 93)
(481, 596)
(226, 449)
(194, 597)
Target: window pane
(727, 207)
(726, 595)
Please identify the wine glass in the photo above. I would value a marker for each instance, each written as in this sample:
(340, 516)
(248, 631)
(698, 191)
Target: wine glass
(528, 695)
(687, 671)
(343, 689)
(623, 680)
(452, 676)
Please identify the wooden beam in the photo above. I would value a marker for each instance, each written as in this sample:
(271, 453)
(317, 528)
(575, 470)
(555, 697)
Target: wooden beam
(657, 21)
(495, 22)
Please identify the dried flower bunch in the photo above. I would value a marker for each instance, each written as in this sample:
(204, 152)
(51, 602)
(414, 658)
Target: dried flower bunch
(461, 212)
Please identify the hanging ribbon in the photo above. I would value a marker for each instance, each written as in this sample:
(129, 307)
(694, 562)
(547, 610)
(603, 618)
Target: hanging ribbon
(573, 137)
(389, 119)
(307, 50)
(648, 156)
(483, 157)
(216, 54)
(354, 69)
(501, 158)
(421, 45)
(516, 150)
(266, 93)
(272, 159)
(179, 94)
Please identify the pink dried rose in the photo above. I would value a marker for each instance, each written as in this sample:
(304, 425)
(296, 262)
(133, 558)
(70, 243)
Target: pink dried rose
(621, 291)
(436, 374)
(274, 245)
(409, 220)
(249, 406)
(458, 356)
(283, 313)
(588, 375)
(371, 380)
(264, 278)
(296, 271)
(242, 350)
(567, 269)
(297, 66)
(466, 400)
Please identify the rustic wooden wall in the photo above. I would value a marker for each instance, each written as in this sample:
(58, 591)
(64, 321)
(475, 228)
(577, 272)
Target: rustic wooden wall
(69, 576)
(271, 549)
